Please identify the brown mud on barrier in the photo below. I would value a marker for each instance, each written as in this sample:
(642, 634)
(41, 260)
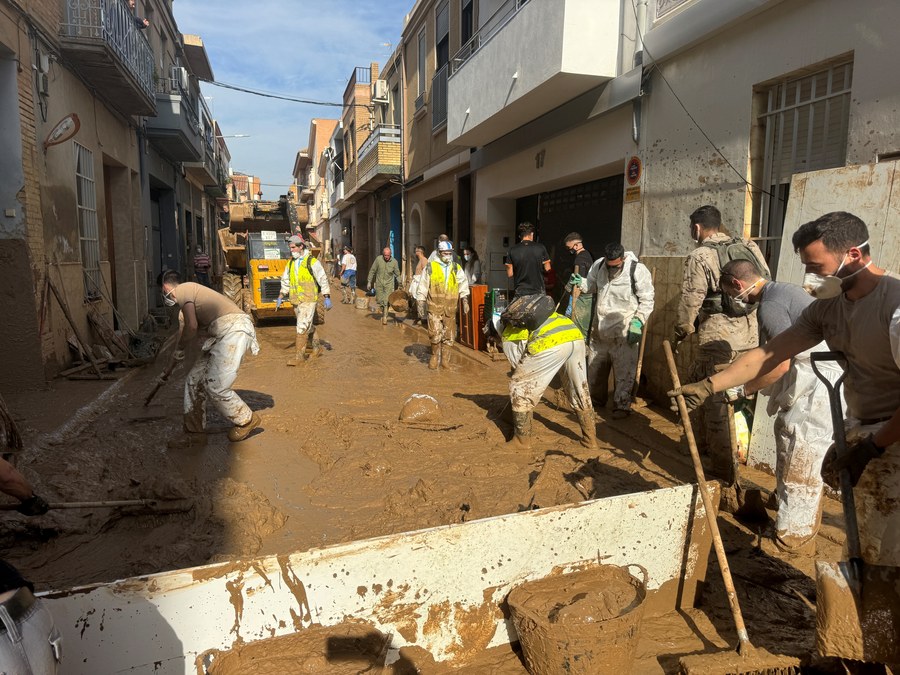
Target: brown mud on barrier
(586, 622)
(346, 649)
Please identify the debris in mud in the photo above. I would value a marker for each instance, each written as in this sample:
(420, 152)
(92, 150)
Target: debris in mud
(251, 516)
(349, 648)
(420, 408)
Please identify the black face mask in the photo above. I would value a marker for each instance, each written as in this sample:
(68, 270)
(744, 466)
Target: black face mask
(613, 271)
(572, 251)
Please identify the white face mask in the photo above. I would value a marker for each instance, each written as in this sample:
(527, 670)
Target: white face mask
(169, 299)
(295, 255)
(467, 257)
(825, 287)
(446, 257)
(744, 294)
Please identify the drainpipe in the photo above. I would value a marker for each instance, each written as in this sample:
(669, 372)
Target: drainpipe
(640, 28)
(404, 225)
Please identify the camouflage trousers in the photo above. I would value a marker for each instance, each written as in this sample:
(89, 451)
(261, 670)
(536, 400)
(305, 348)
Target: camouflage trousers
(713, 414)
(622, 358)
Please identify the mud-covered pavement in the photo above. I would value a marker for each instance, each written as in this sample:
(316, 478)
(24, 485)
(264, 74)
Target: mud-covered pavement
(332, 463)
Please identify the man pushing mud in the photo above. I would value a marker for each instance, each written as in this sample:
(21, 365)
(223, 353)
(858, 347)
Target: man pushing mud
(229, 334)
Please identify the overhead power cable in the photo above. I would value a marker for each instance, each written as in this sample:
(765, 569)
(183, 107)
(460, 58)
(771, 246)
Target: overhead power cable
(282, 97)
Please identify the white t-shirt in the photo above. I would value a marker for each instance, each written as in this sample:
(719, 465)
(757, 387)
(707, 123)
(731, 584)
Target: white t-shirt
(348, 262)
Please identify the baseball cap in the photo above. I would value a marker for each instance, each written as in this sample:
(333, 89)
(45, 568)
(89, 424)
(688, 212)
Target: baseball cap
(297, 241)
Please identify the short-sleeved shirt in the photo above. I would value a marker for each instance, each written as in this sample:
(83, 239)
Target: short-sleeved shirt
(780, 306)
(348, 261)
(583, 261)
(527, 259)
(867, 331)
(208, 304)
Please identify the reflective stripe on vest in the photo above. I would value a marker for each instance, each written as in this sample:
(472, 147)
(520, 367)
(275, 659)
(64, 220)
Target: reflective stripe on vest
(555, 331)
(513, 334)
(303, 284)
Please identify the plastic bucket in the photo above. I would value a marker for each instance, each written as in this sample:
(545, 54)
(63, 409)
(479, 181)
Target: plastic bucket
(581, 623)
(362, 302)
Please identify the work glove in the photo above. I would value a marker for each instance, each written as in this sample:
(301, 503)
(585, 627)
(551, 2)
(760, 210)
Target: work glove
(694, 394)
(635, 328)
(327, 302)
(575, 280)
(855, 459)
(33, 506)
(682, 332)
(278, 302)
(735, 393)
(465, 305)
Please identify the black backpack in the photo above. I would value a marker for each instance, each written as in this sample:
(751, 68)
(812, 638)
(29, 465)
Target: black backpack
(722, 303)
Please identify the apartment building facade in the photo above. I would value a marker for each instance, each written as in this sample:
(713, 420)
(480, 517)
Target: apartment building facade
(77, 83)
(311, 186)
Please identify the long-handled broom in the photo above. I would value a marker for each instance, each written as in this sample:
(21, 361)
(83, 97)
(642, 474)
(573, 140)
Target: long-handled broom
(747, 659)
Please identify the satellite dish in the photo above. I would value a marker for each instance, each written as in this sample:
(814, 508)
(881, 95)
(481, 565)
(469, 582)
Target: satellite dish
(67, 127)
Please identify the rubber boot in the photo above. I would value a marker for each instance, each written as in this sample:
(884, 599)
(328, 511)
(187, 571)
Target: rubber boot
(435, 356)
(445, 356)
(588, 429)
(384, 316)
(300, 347)
(236, 434)
(521, 439)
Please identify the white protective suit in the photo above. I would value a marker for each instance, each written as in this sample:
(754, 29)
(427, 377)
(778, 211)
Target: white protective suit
(617, 303)
(305, 310)
(216, 369)
(803, 434)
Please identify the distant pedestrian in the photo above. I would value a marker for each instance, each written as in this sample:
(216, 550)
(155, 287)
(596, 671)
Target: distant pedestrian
(579, 310)
(443, 285)
(384, 277)
(202, 265)
(348, 276)
(472, 266)
(527, 262)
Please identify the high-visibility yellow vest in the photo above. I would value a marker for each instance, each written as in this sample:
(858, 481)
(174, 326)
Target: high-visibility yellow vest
(303, 283)
(514, 334)
(555, 331)
(443, 292)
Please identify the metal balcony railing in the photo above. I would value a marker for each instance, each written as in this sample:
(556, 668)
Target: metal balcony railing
(361, 75)
(383, 133)
(439, 97)
(113, 22)
(488, 29)
(172, 87)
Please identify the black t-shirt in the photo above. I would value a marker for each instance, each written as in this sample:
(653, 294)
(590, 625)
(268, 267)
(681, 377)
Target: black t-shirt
(10, 579)
(583, 262)
(527, 259)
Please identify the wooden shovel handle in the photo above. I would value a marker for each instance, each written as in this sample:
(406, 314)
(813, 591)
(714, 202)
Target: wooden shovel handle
(707, 503)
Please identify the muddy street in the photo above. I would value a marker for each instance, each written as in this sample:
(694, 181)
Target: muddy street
(332, 463)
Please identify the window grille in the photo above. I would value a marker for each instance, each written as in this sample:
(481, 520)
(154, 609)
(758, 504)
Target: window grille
(805, 129)
(88, 229)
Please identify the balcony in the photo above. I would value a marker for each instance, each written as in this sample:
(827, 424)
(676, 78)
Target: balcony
(175, 131)
(337, 196)
(205, 172)
(502, 78)
(379, 157)
(102, 40)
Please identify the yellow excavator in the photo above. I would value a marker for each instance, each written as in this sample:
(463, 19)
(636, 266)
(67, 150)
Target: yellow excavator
(256, 253)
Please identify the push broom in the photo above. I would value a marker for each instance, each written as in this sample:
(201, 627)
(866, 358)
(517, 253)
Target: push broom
(747, 659)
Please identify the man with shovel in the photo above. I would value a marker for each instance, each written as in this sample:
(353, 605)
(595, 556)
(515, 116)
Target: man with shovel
(857, 312)
(229, 334)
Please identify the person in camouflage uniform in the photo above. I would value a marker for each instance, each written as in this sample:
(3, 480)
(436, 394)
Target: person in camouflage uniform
(722, 338)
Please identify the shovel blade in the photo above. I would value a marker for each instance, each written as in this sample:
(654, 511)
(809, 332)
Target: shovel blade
(858, 619)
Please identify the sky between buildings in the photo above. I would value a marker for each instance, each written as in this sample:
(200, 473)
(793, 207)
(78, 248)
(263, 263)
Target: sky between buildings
(302, 48)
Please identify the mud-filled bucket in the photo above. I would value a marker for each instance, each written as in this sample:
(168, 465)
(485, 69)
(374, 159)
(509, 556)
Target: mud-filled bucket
(582, 623)
(362, 302)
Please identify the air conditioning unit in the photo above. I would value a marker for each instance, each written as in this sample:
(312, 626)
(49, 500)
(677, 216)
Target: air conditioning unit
(380, 91)
(180, 78)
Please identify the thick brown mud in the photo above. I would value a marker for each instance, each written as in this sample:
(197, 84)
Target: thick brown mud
(332, 463)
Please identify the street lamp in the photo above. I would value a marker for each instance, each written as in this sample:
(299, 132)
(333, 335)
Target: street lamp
(235, 136)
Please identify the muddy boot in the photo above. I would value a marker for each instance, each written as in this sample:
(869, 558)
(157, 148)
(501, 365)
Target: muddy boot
(445, 357)
(316, 348)
(384, 316)
(300, 351)
(521, 439)
(588, 429)
(186, 440)
(435, 356)
(236, 434)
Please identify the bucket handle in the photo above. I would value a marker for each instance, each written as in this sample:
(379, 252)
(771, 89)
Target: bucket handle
(642, 569)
